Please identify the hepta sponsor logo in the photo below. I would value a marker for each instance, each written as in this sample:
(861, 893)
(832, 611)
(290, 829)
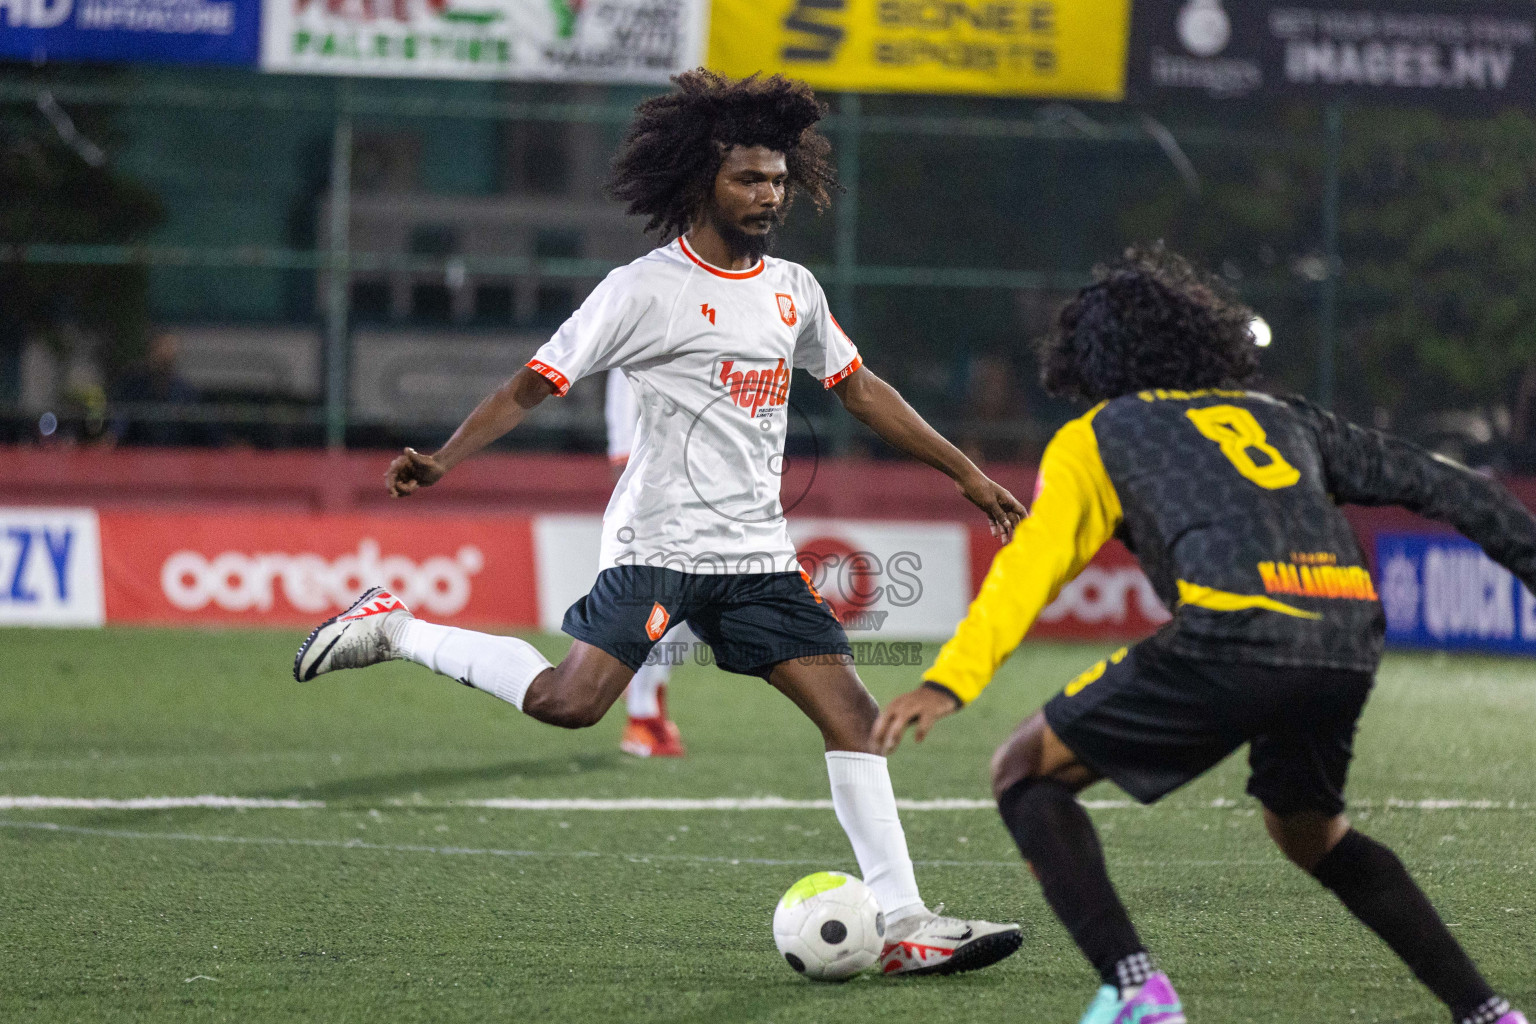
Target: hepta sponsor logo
(755, 389)
(238, 582)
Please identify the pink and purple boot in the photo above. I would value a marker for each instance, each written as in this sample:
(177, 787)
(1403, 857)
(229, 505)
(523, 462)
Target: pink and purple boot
(1153, 1003)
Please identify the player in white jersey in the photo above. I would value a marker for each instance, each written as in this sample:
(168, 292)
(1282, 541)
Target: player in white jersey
(649, 732)
(706, 329)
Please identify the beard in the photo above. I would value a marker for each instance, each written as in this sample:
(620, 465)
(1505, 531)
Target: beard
(743, 244)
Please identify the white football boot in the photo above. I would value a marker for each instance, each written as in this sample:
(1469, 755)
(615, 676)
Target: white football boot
(358, 637)
(930, 943)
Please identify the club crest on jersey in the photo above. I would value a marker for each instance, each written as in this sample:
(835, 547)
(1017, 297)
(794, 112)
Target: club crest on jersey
(766, 388)
(787, 309)
(656, 622)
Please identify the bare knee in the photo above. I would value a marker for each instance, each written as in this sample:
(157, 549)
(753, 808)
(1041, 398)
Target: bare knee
(1306, 837)
(1019, 756)
(1034, 751)
(553, 700)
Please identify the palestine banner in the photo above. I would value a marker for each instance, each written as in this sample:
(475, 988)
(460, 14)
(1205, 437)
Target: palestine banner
(1473, 53)
(641, 42)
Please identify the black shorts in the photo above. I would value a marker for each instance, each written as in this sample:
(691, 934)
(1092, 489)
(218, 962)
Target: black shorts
(752, 621)
(1150, 721)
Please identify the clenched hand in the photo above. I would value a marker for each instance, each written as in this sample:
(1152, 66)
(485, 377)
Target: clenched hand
(411, 471)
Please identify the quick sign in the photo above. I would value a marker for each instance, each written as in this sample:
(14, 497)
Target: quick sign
(1442, 591)
(1464, 53)
(50, 568)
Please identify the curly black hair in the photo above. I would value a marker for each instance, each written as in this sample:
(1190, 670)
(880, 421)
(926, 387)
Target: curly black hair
(1149, 320)
(673, 150)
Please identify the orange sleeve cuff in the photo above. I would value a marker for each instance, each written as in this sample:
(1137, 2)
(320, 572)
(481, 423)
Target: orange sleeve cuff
(559, 380)
(844, 373)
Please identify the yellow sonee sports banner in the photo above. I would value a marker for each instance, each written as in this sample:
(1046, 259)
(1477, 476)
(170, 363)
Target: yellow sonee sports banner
(1061, 48)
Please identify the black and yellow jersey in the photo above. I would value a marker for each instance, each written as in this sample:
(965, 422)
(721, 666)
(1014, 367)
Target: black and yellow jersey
(1229, 499)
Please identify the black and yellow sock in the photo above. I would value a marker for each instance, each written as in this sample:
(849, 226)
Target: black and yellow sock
(1057, 838)
(1369, 879)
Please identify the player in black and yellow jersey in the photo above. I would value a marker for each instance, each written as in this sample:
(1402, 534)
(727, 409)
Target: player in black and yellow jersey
(1229, 498)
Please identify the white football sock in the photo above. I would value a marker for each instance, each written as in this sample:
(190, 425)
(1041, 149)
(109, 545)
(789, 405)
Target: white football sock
(866, 808)
(502, 666)
(644, 695)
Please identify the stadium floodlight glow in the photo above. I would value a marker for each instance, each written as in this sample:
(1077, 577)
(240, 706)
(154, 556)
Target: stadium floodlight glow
(1262, 335)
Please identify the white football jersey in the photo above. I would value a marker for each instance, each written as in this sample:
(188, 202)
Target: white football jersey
(708, 353)
(622, 417)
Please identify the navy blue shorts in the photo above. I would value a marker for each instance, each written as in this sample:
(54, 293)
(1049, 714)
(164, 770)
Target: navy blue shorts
(752, 621)
(1150, 720)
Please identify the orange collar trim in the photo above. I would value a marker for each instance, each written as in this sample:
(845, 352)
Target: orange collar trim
(734, 275)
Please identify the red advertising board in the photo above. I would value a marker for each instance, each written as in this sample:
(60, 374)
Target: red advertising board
(1111, 599)
(266, 569)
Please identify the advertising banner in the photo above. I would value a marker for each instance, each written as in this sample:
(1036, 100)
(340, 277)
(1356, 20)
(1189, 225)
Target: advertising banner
(262, 569)
(1111, 599)
(633, 41)
(1061, 48)
(885, 580)
(164, 31)
(50, 567)
(1441, 591)
(1476, 52)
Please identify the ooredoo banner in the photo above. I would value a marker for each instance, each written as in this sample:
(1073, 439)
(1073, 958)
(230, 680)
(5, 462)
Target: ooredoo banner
(1062, 48)
(273, 570)
(884, 579)
(633, 41)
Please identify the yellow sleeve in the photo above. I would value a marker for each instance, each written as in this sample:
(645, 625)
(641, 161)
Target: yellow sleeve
(1075, 512)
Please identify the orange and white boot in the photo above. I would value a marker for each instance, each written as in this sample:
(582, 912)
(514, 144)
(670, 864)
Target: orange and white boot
(656, 736)
(930, 943)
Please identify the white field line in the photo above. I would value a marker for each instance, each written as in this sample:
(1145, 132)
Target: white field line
(53, 828)
(630, 804)
(154, 803)
(472, 851)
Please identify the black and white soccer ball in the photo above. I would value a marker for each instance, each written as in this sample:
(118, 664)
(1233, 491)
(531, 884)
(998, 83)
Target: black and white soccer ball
(829, 926)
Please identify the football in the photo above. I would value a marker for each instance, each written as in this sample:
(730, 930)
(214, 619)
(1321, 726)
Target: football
(829, 926)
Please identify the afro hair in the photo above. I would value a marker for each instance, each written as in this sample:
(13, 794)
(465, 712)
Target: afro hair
(1148, 320)
(673, 150)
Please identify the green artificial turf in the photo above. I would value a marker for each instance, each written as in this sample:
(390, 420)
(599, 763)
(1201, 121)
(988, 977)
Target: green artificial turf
(390, 903)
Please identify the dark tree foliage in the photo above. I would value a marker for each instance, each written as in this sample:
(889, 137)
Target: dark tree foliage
(51, 195)
(1437, 246)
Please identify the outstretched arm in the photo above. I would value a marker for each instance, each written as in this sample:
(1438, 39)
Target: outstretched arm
(493, 417)
(1076, 511)
(881, 408)
(1368, 467)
